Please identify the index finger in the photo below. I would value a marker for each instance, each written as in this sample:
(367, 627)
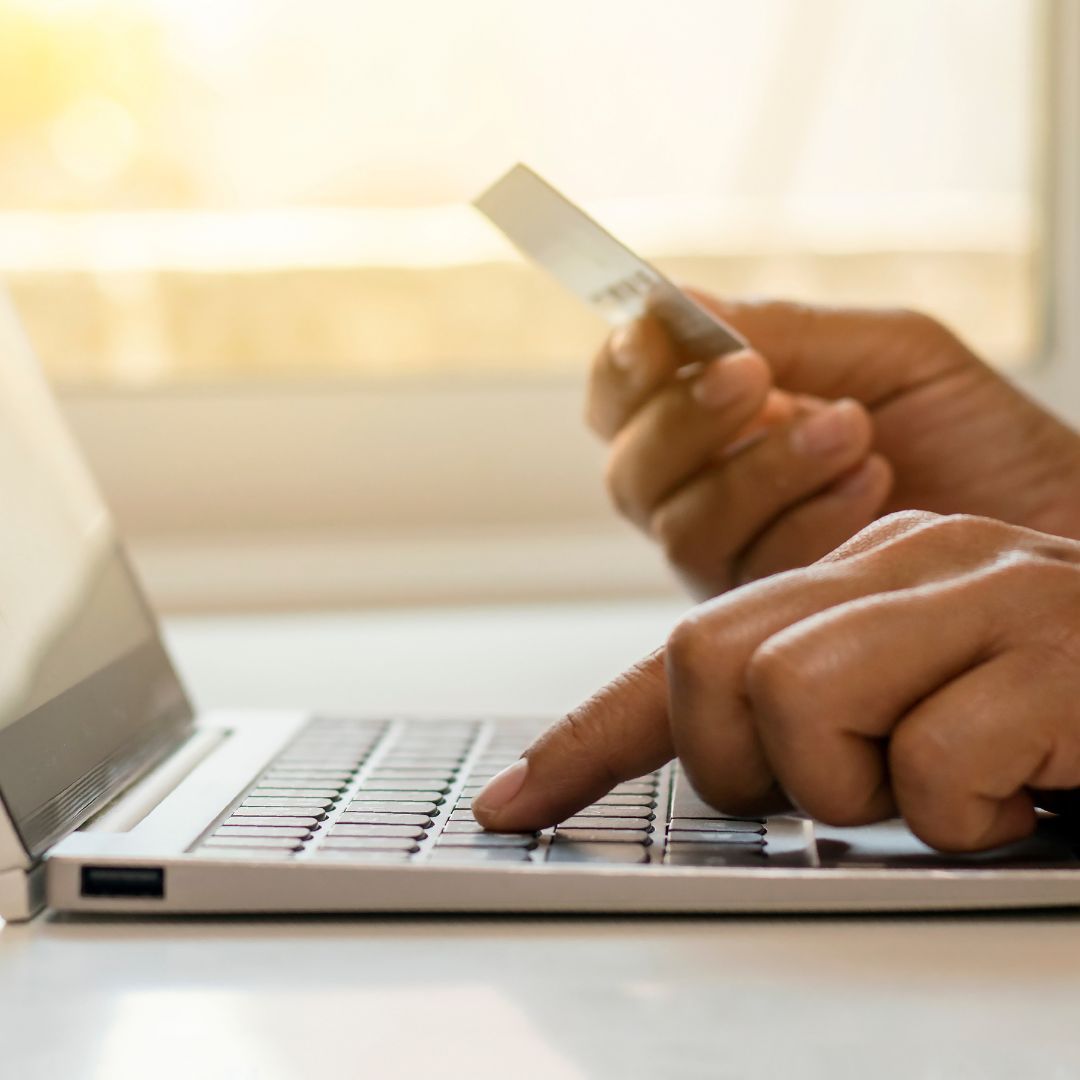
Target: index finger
(621, 732)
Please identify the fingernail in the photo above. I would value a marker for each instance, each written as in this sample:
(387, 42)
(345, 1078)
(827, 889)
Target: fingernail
(502, 788)
(625, 351)
(724, 381)
(826, 432)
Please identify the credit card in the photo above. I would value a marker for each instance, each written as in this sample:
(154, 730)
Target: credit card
(584, 257)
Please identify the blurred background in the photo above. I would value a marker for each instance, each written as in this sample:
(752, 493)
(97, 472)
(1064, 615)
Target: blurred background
(238, 232)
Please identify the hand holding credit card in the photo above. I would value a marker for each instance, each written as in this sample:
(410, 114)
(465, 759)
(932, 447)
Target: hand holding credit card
(707, 454)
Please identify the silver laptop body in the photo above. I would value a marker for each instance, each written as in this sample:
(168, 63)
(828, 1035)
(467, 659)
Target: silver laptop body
(115, 798)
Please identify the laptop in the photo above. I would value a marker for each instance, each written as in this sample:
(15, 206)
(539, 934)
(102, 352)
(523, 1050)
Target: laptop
(115, 797)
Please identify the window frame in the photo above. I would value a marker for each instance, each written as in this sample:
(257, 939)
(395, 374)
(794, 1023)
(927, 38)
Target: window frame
(203, 478)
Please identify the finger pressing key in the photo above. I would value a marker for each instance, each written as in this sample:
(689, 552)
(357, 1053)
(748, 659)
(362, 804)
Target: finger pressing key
(618, 734)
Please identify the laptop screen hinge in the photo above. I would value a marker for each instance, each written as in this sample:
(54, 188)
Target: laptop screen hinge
(133, 805)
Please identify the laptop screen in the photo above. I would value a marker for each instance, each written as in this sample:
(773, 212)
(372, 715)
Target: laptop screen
(87, 694)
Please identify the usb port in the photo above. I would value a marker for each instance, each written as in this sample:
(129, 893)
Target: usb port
(118, 881)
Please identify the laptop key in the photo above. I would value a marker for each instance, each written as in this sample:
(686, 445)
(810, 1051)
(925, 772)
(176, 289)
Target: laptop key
(297, 793)
(710, 855)
(368, 843)
(603, 836)
(420, 820)
(435, 797)
(282, 811)
(718, 825)
(246, 820)
(490, 840)
(713, 840)
(392, 806)
(416, 773)
(641, 813)
(479, 855)
(626, 800)
(280, 842)
(294, 785)
(410, 832)
(358, 855)
(252, 832)
(276, 772)
(342, 763)
(409, 762)
(421, 786)
(293, 804)
(259, 854)
(700, 836)
(584, 822)
(466, 828)
(575, 852)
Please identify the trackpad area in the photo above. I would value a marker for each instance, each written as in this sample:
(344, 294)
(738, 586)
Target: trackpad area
(891, 844)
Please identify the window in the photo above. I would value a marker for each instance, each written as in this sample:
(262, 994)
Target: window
(194, 191)
(307, 372)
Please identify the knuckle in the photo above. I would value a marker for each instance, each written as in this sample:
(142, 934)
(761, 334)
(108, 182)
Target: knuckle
(956, 832)
(1037, 568)
(1028, 572)
(692, 650)
(770, 800)
(684, 546)
(668, 528)
(901, 523)
(952, 535)
(961, 527)
(779, 681)
(919, 323)
(916, 753)
(928, 334)
(1041, 595)
(831, 809)
(892, 527)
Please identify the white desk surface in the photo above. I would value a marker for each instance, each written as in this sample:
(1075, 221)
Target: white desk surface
(953, 997)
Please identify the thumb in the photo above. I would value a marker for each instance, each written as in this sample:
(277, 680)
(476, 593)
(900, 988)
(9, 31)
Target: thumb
(621, 732)
(869, 354)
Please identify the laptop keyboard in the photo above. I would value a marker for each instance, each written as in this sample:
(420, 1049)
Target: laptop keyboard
(401, 791)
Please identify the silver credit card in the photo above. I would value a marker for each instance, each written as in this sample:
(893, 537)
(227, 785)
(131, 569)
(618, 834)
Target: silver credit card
(597, 268)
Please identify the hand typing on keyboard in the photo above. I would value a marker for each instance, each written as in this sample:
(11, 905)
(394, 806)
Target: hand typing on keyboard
(929, 667)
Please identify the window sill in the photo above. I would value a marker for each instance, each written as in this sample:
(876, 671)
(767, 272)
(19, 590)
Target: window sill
(305, 571)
